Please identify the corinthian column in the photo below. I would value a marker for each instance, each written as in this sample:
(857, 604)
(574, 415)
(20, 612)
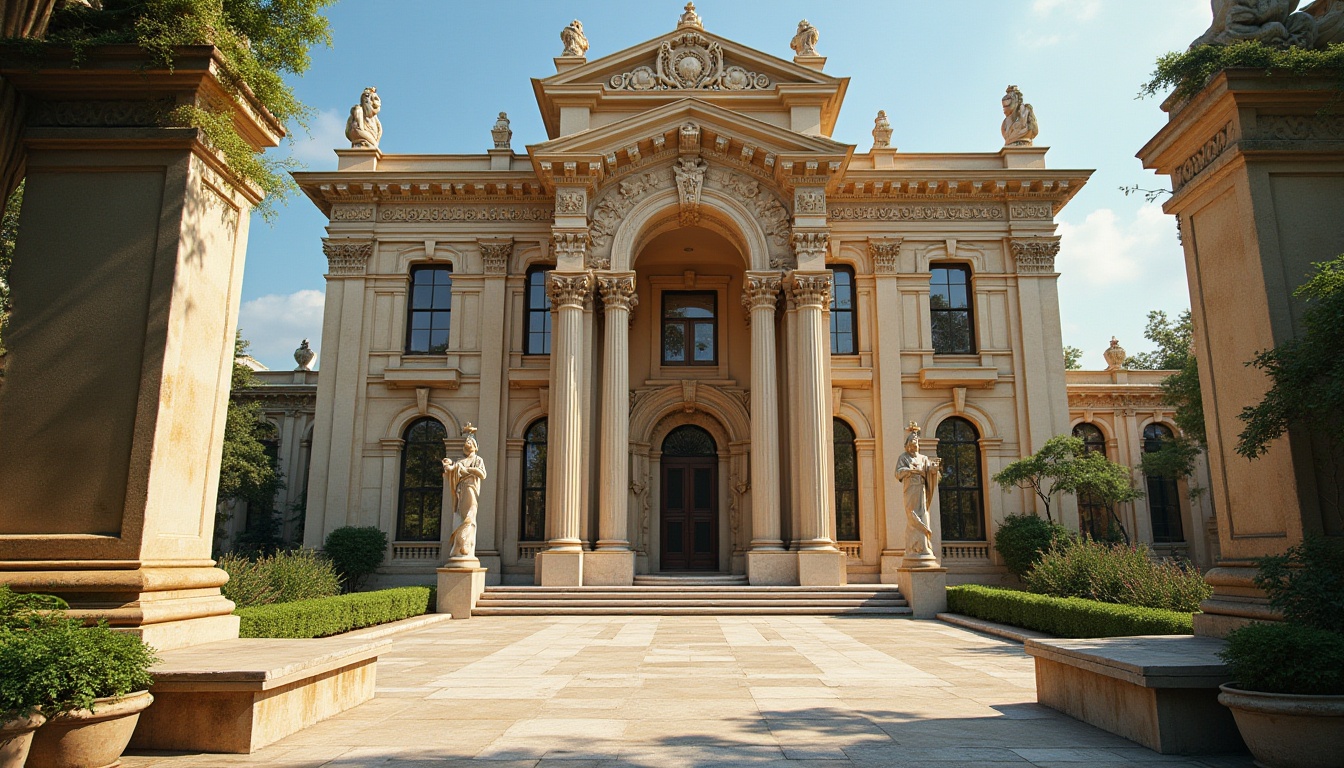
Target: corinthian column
(618, 298)
(759, 298)
(812, 293)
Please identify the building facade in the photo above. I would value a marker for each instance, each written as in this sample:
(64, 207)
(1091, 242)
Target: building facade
(692, 329)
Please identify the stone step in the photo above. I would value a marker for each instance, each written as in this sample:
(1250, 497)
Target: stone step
(882, 589)
(708, 579)
(710, 603)
(606, 610)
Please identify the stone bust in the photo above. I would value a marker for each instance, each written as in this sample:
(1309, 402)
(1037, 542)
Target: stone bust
(576, 44)
(804, 43)
(918, 475)
(364, 129)
(465, 476)
(1019, 120)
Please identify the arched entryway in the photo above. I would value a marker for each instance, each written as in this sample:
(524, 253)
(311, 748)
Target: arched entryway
(689, 509)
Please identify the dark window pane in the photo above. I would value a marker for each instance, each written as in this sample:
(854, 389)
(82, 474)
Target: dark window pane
(703, 538)
(534, 483)
(420, 500)
(688, 305)
(846, 482)
(431, 300)
(704, 488)
(676, 537)
(689, 320)
(676, 488)
(674, 343)
(960, 488)
(538, 341)
(950, 309)
(704, 342)
(689, 441)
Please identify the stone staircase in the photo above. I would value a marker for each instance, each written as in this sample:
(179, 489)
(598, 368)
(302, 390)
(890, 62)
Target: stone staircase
(710, 595)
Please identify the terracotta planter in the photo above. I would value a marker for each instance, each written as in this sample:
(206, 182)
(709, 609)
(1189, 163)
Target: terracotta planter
(1287, 731)
(89, 739)
(15, 738)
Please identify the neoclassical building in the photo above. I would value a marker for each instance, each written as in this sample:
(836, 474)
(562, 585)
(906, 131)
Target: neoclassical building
(692, 329)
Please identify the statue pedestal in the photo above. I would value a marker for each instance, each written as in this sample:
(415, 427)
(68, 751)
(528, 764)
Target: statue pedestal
(609, 568)
(772, 569)
(560, 569)
(459, 587)
(925, 589)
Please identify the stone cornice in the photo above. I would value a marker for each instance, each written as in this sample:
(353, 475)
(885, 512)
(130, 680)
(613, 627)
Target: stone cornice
(1049, 191)
(450, 187)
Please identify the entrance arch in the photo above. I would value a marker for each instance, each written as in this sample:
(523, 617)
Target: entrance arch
(689, 507)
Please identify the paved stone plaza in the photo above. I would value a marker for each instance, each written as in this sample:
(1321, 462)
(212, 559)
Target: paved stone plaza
(699, 691)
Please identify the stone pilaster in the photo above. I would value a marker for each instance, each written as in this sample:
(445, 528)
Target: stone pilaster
(759, 298)
(613, 564)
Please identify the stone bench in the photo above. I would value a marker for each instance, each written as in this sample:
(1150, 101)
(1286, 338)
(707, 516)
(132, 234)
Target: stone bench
(240, 695)
(1160, 691)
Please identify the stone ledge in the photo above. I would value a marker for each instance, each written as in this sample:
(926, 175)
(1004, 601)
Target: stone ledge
(1153, 661)
(1006, 631)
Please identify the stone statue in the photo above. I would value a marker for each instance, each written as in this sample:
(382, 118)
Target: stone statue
(304, 356)
(502, 133)
(805, 42)
(918, 475)
(1329, 16)
(1272, 22)
(573, 38)
(364, 129)
(690, 18)
(881, 131)
(465, 475)
(1019, 120)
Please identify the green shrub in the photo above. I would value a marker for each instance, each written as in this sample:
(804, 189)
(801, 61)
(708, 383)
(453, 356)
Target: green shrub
(1064, 616)
(63, 665)
(333, 615)
(356, 553)
(1286, 658)
(1188, 71)
(21, 610)
(279, 578)
(1307, 583)
(1117, 573)
(1022, 539)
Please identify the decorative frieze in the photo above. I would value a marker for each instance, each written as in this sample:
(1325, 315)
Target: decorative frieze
(617, 201)
(769, 212)
(90, 114)
(352, 213)
(761, 291)
(1193, 165)
(689, 61)
(1035, 256)
(495, 256)
(885, 255)
(569, 290)
(811, 290)
(809, 201)
(406, 213)
(571, 202)
(690, 173)
(347, 258)
(916, 213)
(1299, 127)
(1031, 210)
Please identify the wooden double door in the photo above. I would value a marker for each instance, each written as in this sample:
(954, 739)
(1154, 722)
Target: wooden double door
(690, 502)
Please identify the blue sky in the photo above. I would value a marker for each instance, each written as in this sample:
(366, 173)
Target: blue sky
(446, 68)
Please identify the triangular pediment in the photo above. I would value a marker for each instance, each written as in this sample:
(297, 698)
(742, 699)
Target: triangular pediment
(689, 62)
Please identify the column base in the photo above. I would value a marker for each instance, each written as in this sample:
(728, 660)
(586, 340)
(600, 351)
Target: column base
(822, 569)
(890, 567)
(772, 569)
(609, 568)
(560, 569)
(1235, 601)
(458, 590)
(925, 589)
(494, 566)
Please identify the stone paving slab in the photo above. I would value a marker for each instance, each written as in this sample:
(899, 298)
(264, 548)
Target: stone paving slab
(670, 691)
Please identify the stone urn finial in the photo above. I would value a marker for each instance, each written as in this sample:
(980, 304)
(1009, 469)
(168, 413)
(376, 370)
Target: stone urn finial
(690, 18)
(1115, 356)
(304, 356)
(881, 131)
(501, 132)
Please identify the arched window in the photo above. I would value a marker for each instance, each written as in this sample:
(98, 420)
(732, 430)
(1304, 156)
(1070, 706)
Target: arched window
(844, 337)
(533, 526)
(1164, 502)
(538, 340)
(1093, 518)
(846, 483)
(420, 506)
(690, 328)
(689, 441)
(950, 310)
(960, 489)
(430, 309)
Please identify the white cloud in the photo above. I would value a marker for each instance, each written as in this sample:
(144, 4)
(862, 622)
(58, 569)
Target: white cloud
(326, 132)
(275, 324)
(1104, 250)
(1082, 10)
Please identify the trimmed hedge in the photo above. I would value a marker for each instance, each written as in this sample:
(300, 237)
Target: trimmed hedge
(333, 615)
(1064, 616)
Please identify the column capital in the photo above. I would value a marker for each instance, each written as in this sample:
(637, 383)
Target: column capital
(571, 290)
(761, 290)
(346, 257)
(811, 244)
(885, 253)
(1035, 255)
(618, 290)
(495, 255)
(811, 289)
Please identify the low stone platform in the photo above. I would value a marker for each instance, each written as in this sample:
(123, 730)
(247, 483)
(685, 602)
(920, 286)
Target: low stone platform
(1160, 691)
(240, 695)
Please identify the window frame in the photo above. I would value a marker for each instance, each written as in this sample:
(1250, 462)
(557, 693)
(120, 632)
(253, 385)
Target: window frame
(946, 490)
(529, 310)
(402, 487)
(851, 313)
(1165, 488)
(526, 490)
(968, 310)
(687, 325)
(850, 446)
(1093, 518)
(411, 309)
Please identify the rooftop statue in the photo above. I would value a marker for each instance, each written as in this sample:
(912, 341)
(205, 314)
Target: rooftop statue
(576, 44)
(1276, 23)
(805, 42)
(1019, 120)
(364, 129)
(881, 130)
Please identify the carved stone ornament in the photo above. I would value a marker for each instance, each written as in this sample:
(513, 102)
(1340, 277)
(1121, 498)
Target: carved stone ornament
(916, 213)
(690, 172)
(1299, 127)
(304, 356)
(1196, 163)
(495, 257)
(1032, 210)
(805, 42)
(570, 245)
(885, 255)
(576, 43)
(811, 290)
(569, 290)
(83, 113)
(571, 202)
(1115, 355)
(690, 18)
(881, 131)
(689, 61)
(1019, 120)
(618, 292)
(407, 213)
(1036, 256)
(502, 133)
(815, 245)
(352, 213)
(617, 201)
(809, 201)
(765, 207)
(761, 291)
(363, 128)
(347, 258)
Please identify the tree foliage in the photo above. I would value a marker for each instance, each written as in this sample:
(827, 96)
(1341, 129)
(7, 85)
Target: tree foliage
(1073, 359)
(9, 234)
(247, 473)
(1175, 352)
(1044, 471)
(1103, 482)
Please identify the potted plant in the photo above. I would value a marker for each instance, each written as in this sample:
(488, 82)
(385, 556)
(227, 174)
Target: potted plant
(90, 683)
(1288, 694)
(19, 703)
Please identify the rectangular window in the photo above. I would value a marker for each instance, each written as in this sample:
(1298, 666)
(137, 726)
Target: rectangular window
(844, 340)
(430, 310)
(950, 310)
(538, 326)
(690, 328)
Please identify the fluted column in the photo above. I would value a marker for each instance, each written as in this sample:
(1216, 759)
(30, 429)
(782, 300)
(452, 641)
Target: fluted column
(812, 293)
(568, 293)
(759, 297)
(618, 299)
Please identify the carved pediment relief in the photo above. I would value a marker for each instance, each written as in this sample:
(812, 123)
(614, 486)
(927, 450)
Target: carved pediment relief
(689, 61)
